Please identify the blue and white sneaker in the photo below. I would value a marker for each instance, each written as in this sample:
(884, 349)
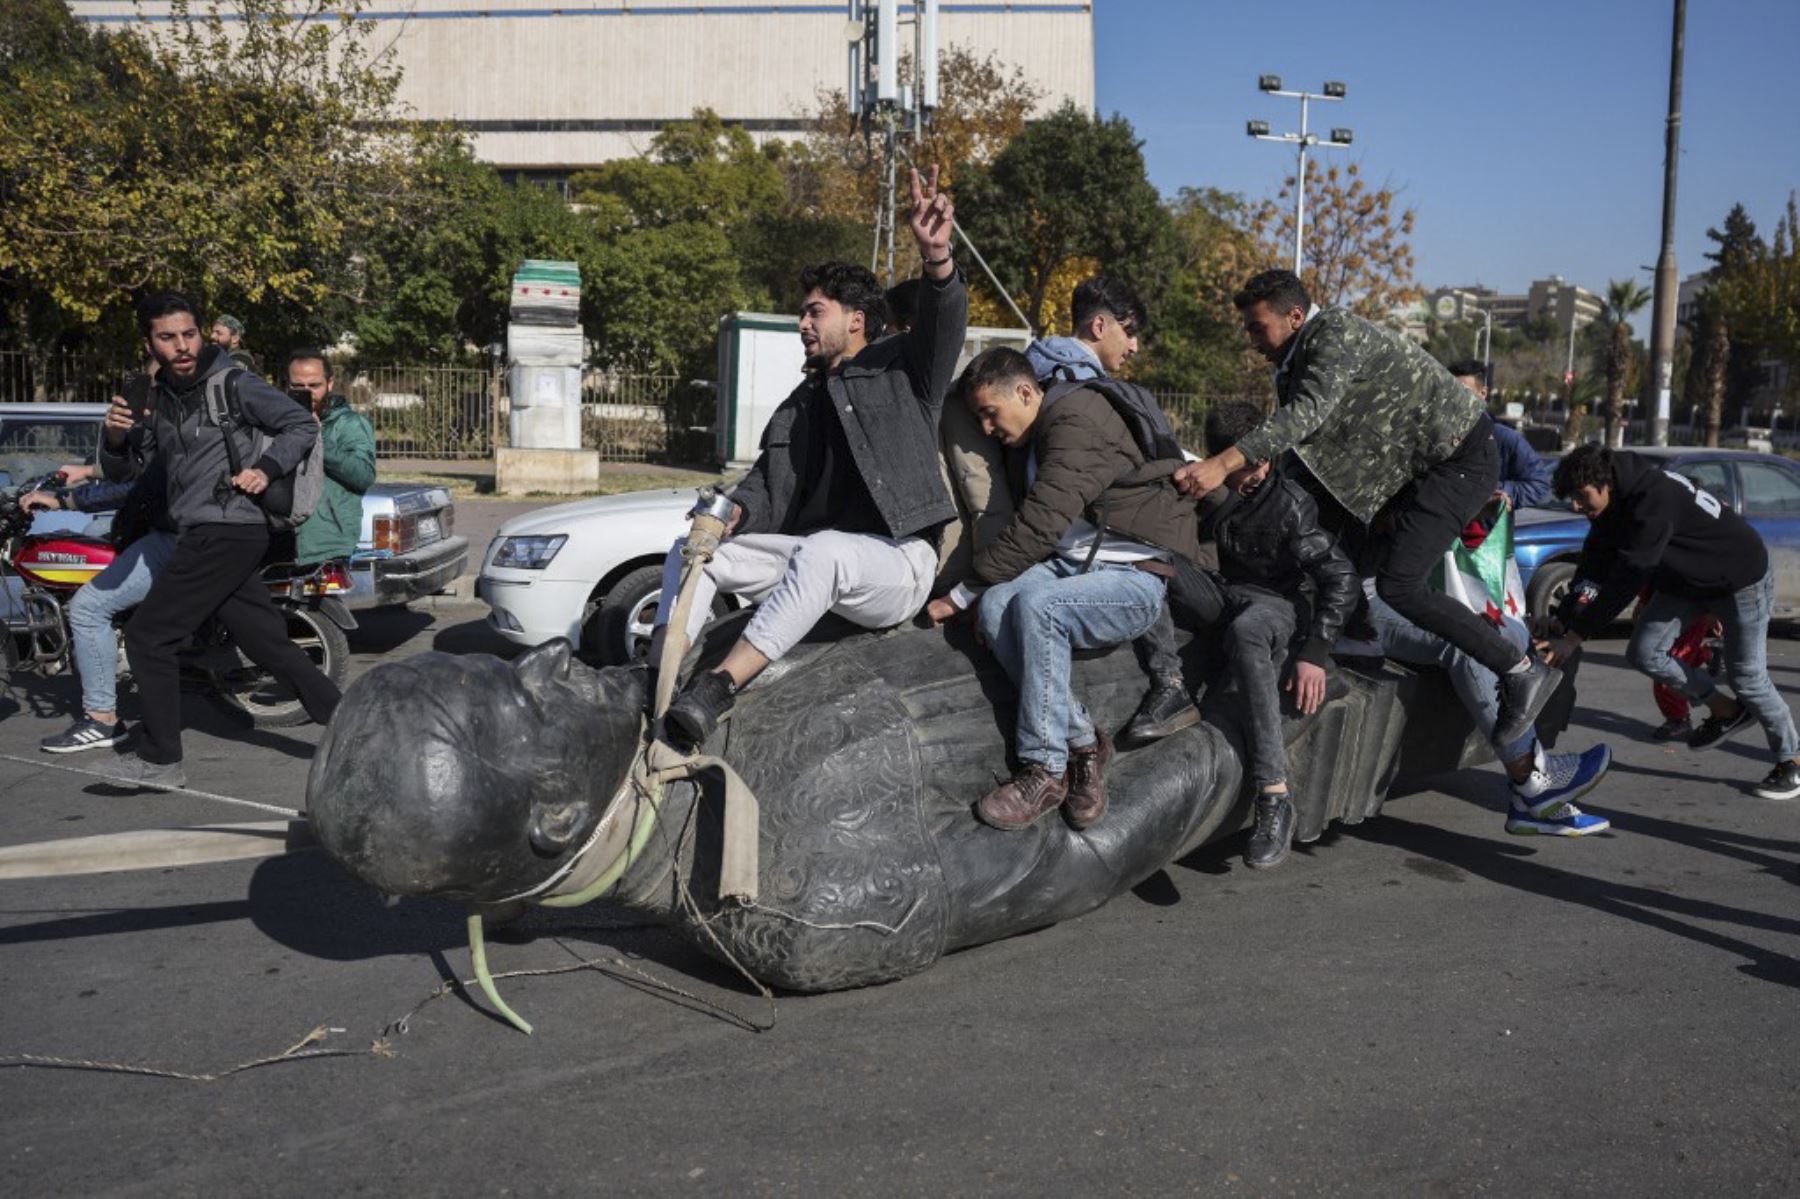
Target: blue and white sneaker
(1545, 802)
(86, 733)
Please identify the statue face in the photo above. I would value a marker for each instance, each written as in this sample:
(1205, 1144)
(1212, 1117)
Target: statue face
(465, 777)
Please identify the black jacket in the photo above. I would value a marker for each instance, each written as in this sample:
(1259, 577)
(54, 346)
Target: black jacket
(1272, 540)
(1658, 529)
(888, 398)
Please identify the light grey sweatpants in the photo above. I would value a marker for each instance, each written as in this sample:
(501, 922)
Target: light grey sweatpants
(869, 580)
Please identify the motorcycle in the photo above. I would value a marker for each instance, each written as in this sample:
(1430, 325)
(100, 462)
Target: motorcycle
(41, 572)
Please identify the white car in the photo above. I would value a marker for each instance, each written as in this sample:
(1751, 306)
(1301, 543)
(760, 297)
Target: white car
(590, 571)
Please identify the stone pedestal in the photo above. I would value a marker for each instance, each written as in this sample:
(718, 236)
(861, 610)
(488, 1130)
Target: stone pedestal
(555, 472)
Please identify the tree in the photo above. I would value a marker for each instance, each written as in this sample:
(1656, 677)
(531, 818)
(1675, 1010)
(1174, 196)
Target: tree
(1624, 299)
(244, 164)
(1356, 251)
(438, 283)
(1070, 187)
(1760, 292)
(1195, 343)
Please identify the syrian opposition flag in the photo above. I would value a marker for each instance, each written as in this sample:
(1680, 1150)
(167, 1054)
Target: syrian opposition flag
(1479, 573)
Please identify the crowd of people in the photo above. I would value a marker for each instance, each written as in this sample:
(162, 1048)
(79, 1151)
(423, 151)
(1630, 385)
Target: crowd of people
(1040, 496)
(1063, 516)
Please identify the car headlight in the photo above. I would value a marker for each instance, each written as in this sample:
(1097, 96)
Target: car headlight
(528, 553)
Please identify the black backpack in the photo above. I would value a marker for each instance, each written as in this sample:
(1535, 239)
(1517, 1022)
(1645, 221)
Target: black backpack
(1135, 405)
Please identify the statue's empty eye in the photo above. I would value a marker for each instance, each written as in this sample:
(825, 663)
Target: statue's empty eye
(555, 826)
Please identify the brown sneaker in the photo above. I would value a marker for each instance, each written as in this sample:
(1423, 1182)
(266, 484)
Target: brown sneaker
(1087, 782)
(1021, 799)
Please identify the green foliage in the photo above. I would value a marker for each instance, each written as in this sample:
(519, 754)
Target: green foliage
(1069, 187)
(1195, 341)
(1759, 291)
(238, 162)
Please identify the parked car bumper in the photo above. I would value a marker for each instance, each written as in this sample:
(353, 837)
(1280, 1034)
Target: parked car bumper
(528, 610)
(383, 582)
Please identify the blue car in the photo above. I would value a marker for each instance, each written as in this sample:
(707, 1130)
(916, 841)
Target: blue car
(1762, 488)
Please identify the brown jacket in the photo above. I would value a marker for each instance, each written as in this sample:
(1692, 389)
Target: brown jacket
(1083, 448)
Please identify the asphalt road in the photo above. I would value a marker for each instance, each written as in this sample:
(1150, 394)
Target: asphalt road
(1421, 1004)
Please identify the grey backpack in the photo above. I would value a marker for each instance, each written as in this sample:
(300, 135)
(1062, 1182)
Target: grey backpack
(289, 500)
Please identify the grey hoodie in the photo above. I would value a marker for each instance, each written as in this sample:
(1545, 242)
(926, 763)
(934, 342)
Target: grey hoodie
(193, 449)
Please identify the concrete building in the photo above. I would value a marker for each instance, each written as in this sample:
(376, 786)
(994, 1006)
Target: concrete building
(1554, 297)
(546, 88)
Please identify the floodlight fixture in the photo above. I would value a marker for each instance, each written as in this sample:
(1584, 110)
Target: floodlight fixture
(1256, 128)
(1268, 83)
(1341, 136)
(1334, 89)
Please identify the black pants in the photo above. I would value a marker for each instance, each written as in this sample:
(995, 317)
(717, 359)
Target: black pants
(215, 569)
(1414, 531)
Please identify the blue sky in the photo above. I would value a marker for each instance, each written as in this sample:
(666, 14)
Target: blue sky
(1528, 135)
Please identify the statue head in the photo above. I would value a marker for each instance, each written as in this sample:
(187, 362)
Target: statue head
(466, 777)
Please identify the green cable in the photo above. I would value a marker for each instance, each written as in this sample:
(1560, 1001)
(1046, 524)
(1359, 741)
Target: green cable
(478, 958)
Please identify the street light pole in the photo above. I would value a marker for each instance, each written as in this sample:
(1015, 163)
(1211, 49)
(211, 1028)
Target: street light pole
(1333, 90)
(1662, 329)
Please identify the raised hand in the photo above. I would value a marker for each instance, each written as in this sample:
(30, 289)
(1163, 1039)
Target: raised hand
(932, 221)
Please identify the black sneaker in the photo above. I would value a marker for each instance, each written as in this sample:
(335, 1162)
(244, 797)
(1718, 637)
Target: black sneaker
(86, 733)
(1783, 782)
(1715, 729)
(1274, 832)
(1165, 710)
(1523, 694)
(695, 712)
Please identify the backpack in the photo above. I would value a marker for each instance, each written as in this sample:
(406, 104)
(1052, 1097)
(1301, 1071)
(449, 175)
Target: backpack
(1135, 405)
(287, 501)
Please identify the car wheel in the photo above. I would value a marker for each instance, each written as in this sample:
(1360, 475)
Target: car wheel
(616, 629)
(1548, 586)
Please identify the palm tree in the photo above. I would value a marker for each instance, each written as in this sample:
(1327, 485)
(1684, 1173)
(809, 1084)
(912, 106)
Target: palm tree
(1624, 299)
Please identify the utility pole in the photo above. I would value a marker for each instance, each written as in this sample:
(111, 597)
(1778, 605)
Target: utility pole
(1662, 329)
(1333, 90)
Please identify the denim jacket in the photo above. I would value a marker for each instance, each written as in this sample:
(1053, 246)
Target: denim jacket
(889, 398)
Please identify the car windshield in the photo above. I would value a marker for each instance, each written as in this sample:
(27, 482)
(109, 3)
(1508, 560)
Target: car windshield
(37, 445)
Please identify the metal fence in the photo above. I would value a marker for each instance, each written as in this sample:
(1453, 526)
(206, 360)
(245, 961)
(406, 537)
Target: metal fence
(429, 411)
(27, 378)
(648, 418)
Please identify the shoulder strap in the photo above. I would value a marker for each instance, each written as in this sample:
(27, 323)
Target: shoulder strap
(223, 407)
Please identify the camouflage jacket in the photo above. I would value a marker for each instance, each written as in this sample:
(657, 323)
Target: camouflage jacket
(1364, 408)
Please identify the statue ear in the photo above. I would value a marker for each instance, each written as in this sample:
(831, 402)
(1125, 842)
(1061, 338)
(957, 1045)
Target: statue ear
(555, 826)
(538, 667)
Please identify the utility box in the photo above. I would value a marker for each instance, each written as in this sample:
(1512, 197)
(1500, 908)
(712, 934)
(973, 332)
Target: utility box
(544, 356)
(761, 362)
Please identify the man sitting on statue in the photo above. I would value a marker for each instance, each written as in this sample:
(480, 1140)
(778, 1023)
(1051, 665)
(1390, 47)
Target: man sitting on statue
(841, 511)
(1082, 564)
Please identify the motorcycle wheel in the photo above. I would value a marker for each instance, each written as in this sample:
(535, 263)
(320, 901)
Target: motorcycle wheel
(273, 705)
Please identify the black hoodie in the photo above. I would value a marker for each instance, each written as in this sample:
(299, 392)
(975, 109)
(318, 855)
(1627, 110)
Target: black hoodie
(1658, 528)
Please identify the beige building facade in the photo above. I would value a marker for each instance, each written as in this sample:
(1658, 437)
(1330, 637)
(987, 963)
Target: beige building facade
(544, 87)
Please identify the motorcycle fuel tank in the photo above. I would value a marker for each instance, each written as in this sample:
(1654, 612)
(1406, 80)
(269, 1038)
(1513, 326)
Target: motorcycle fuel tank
(63, 560)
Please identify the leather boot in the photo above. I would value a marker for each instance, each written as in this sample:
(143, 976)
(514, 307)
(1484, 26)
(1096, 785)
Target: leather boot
(1021, 799)
(1086, 801)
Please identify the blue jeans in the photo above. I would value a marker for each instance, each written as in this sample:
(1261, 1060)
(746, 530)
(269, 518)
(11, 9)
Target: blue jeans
(1475, 685)
(1745, 615)
(122, 585)
(1034, 622)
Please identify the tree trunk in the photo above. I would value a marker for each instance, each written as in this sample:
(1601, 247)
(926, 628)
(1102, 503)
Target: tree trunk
(1575, 425)
(1718, 365)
